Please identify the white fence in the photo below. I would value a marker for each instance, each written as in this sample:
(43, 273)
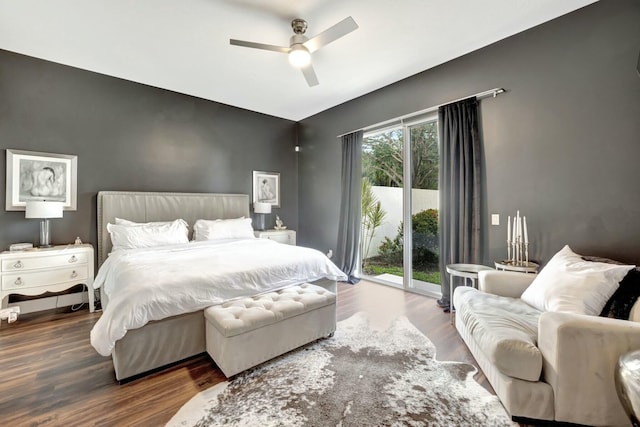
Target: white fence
(391, 201)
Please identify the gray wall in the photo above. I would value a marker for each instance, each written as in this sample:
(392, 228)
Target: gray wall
(129, 136)
(563, 145)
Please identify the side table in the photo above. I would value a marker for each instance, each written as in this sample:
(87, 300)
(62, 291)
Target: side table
(627, 381)
(39, 270)
(466, 271)
(520, 267)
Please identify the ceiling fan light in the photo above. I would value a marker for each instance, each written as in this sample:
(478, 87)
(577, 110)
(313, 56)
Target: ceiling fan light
(299, 56)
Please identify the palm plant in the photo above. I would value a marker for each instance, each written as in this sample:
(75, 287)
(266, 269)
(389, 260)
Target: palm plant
(372, 217)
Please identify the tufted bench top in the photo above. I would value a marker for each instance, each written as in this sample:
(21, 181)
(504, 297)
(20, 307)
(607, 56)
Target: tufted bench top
(246, 314)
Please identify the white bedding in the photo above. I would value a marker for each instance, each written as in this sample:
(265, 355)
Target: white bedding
(154, 283)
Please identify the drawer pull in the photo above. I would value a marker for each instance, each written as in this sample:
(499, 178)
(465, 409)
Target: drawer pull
(18, 281)
(18, 264)
(74, 274)
(73, 259)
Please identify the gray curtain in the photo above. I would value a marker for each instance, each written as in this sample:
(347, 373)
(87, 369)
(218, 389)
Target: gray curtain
(460, 163)
(350, 206)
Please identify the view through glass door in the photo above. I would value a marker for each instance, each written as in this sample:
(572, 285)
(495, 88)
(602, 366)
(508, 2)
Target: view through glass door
(400, 198)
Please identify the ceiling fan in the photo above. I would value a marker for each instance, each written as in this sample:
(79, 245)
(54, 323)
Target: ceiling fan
(300, 47)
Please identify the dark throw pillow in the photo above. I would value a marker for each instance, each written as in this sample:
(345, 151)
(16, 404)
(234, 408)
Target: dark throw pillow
(620, 304)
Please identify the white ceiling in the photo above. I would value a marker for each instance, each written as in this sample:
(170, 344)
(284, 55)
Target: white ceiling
(183, 45)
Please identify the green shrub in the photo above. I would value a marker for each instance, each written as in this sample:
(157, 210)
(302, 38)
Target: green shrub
(425, 222)
(390, 251)
(424, 227)
(425, 237)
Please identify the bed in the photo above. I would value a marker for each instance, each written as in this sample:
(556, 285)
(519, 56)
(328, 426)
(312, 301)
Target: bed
(163, 342)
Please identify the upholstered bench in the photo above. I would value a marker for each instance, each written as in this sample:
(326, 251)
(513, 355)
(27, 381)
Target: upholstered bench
(243, 333)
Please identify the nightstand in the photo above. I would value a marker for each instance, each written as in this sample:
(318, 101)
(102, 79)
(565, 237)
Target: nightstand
(40, 270)
(282, 236)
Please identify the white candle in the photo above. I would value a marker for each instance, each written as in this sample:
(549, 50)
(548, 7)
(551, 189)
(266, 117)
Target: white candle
(515, 238)
(519, 228)
(526, 235)
(509, 237)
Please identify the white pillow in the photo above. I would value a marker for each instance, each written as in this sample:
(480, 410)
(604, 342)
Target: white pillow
(121, 221)
(148, 235)
(239, 228)
(572, 285)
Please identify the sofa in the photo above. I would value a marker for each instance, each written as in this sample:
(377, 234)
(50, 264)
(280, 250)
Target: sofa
(545, 364)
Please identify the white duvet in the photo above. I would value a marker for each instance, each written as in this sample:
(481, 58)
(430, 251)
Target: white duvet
(154, 283)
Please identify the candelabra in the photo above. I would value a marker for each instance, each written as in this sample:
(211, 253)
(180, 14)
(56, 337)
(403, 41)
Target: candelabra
(517, 246)
(518, 251)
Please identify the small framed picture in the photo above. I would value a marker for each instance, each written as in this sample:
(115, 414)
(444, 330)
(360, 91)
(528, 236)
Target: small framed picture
(266, 188)
(41, 176)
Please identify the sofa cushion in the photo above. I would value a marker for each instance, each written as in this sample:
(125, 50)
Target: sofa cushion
(505, 329)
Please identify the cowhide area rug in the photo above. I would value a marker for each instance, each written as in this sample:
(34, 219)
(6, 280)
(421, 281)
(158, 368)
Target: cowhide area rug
(359, 377)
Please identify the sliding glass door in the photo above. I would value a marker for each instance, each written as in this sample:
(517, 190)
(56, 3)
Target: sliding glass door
(382, 205)
(400, 205)
(422, 162)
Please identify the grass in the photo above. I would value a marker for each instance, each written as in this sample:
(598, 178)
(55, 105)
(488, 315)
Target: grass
(431, 277)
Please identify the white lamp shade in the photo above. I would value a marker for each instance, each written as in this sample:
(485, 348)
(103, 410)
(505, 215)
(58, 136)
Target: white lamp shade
(262, 208)
(41, 209)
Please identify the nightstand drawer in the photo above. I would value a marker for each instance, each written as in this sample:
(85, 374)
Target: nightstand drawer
(280, 238)
(34, 279)
(43, 261)
(288, 237)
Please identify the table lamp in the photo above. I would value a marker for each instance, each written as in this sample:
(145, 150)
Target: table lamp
(261, 209)
(43, 211)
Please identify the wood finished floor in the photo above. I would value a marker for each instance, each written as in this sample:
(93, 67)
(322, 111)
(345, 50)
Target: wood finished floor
(51, 376)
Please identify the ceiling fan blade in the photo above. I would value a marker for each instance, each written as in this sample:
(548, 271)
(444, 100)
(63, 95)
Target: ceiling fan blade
(259, 46)
(310, 75)
(342, 28)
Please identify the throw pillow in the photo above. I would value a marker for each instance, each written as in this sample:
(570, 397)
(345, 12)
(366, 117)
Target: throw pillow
(570, 284)
(623, 299)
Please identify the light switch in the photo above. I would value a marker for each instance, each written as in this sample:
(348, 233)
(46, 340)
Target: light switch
(495, 219)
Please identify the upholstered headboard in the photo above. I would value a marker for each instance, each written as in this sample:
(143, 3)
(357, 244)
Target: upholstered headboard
(144, 207)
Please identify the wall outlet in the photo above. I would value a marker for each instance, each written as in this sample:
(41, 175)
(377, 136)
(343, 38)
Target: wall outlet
(495, 219)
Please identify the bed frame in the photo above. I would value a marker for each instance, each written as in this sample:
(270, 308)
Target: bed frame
(163, 342)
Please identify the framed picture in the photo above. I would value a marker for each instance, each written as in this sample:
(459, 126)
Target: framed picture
(41, 176)
(266, 188)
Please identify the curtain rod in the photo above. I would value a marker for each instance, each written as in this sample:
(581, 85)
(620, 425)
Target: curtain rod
(487, 93)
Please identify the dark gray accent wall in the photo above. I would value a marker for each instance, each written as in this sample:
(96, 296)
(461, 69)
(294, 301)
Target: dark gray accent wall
(562, 145)
(129, 136)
